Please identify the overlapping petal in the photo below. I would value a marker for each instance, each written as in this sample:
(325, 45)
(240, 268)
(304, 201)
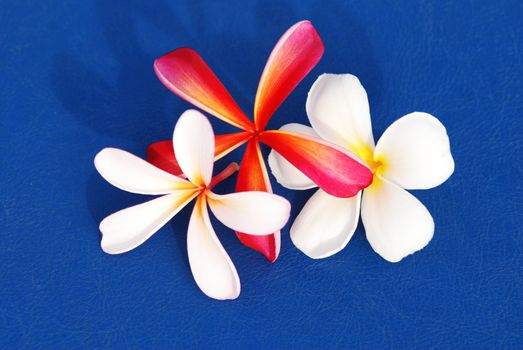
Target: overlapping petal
(130, 227)
(396, 223)
(293, 57)
(285, 173)
(226, 143)
(415, 151)
(338, 110)
(252, 212)
(162, 155)
(186, 74)
(193, 140)
(335, 170)
(253, 177)
(211, 267)
(325, 224)
(133, 174)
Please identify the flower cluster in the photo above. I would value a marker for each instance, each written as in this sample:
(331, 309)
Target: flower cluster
(337, 154)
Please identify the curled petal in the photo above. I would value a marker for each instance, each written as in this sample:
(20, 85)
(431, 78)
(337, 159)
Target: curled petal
(325, 224)
(293, 57)
(415, 152)
(128, 228)
(161, 154)
(396, 223)
(252, 212)
(253, 177)
(211, 267)
(285, 173)
(333, 169)
(338, 109)
(193, 140)
(186, 74)
(133, 174)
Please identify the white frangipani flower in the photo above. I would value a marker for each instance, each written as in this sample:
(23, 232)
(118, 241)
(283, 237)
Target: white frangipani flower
(256, 213)
(413, 153)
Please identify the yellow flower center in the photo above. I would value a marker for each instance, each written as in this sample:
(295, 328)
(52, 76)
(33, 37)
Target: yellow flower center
(366, 154)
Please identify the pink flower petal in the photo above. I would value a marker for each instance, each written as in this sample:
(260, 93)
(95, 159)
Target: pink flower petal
(285, 173)
(333, 169)
(293, 57)
(186, 74)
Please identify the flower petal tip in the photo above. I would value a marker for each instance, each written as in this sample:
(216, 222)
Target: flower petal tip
(268, 246)
(271, 256)
(193, 140)
(325, 225)
(211, 266)
(396, 223)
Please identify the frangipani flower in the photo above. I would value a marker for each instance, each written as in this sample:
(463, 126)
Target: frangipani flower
(332, 168)
(413, 153)
(258, 213)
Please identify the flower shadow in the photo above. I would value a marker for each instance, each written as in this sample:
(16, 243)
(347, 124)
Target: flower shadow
(116, 100)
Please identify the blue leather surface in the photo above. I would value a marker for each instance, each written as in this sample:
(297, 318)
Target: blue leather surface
(77, 76)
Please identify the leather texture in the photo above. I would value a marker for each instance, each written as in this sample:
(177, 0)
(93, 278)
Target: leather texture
(78, 76)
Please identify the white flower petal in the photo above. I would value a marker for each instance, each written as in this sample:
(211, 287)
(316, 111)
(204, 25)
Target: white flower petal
(133, 174)
(251, 212)
(211, 267)
(325, 224)
(285, 173)
(128, 228)
(338, 110)
(396, 223)
(193, 141)
(415, 151)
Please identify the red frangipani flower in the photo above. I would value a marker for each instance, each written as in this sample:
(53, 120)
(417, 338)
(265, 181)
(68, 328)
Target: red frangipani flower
(334, 169)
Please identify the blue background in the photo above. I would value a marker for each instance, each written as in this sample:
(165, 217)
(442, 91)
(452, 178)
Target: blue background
(76, 76)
